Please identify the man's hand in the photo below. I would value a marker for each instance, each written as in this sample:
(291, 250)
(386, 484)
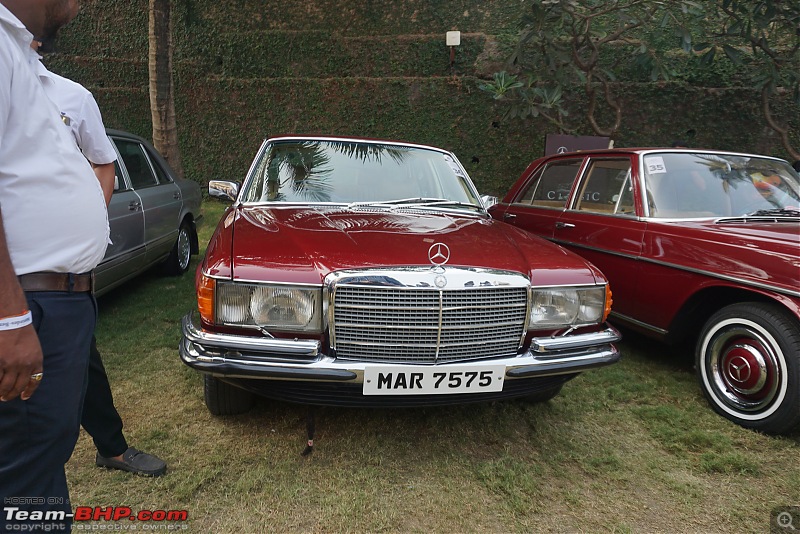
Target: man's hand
(20, 351)
(20, 358)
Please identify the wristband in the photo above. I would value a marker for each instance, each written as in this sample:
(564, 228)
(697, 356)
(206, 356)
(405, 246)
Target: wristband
(16, 321)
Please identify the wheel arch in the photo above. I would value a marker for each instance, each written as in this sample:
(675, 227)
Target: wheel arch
(704, 303)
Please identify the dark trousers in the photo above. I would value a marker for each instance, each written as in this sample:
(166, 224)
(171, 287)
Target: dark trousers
(100, 418)
(37, 436)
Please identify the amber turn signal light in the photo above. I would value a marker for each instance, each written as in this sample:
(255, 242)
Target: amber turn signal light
(205, 298)
(609, 302)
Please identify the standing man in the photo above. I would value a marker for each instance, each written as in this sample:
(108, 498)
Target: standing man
(53, 232)
(80, 113)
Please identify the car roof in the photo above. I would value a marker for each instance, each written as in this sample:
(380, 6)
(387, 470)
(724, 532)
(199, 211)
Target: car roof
(355, 140)
(646, 150)
(121, 133)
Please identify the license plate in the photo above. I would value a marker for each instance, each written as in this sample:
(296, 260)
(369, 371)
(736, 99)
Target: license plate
(432, 380)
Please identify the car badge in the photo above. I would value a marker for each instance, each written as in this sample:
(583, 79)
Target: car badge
(439, 254)
(739, 369)
(440, 281)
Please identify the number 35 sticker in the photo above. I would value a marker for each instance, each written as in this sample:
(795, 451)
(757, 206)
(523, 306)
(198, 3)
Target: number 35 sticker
(655, 165)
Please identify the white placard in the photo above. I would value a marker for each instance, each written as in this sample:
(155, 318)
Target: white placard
(453, 38)
(655, 165)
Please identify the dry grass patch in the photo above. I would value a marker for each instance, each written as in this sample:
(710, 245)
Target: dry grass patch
(629, 448)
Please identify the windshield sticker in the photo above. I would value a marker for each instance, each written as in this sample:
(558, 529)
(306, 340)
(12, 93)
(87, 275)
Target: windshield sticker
(655, 165)
(454, 166)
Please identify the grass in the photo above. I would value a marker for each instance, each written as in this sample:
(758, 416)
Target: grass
(629, 448)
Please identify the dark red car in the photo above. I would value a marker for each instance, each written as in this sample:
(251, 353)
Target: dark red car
(369, 273)
(695, 243)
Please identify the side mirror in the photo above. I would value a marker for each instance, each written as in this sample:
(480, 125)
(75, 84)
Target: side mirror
(489, 201)
(223, 189)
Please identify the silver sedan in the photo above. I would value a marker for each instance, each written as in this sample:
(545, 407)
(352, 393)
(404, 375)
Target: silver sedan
(153, 215)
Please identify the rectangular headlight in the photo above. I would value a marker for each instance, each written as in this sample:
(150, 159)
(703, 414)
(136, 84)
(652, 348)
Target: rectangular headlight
(563, 307)
(280, 308)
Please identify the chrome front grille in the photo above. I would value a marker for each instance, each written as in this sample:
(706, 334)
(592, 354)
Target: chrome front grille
(410, 325)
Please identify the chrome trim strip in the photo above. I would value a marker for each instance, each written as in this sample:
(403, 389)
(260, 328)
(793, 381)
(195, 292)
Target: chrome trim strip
(718, 276)
(644, 325)
(749, 283)
(549, 344)
(299, 348)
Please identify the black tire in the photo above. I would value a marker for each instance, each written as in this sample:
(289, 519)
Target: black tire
(224, 399)
(543, 396)
(181, 255)
(748, 366)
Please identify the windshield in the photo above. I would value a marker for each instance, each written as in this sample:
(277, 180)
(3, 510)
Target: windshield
(358, 173)
(718, 185)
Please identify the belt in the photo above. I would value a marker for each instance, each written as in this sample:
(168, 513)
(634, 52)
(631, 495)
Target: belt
(76, 283)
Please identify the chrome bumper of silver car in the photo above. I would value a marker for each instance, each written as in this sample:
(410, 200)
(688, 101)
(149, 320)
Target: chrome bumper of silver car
(286, 359)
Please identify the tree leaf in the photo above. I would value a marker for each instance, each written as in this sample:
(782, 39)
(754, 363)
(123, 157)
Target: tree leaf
(733, 54)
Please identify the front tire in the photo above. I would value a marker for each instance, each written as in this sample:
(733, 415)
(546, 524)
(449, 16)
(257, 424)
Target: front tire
(748, 365)
(224, 399)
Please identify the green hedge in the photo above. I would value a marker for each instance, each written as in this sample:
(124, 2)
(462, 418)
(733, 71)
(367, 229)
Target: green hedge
(245, 70)
(230, 117)
(322, 54)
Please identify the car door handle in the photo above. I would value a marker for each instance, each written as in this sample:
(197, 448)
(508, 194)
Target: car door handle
(176, 196)
(135, 205)
(560, 224)
(509, 216)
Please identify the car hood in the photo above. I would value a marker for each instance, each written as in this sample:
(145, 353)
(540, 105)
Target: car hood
(303, 245)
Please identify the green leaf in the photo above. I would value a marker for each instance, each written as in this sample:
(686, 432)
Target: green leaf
(708, 58)
(733, 54)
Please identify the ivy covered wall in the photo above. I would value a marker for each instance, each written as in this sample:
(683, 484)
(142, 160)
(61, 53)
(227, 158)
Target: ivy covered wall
(247, 69)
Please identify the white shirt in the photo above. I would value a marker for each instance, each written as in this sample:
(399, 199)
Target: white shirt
(79, 111)
(53, 209)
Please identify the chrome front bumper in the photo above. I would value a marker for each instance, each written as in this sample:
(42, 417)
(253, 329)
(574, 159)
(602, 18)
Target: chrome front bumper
(235, 356)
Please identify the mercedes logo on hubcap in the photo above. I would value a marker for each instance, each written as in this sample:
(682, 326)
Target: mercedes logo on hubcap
(739, 369)
(439, 254)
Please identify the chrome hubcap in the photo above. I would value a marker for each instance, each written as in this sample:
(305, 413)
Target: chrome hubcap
(184, 249)
(744, 368)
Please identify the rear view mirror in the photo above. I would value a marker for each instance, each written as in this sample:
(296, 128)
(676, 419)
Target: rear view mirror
(488, 201)
(223, 189)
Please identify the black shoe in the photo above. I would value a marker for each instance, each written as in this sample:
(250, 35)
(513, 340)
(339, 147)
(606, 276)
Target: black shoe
(135, 461)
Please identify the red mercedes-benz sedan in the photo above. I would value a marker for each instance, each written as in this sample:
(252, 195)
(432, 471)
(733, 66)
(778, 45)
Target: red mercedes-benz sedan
(697, 244)
(369, 273)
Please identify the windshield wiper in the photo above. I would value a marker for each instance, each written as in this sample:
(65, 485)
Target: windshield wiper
(779, 212)
(414, 202)
(426, 202)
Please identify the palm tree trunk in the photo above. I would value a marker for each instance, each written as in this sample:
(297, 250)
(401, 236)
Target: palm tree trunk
(162, 101)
